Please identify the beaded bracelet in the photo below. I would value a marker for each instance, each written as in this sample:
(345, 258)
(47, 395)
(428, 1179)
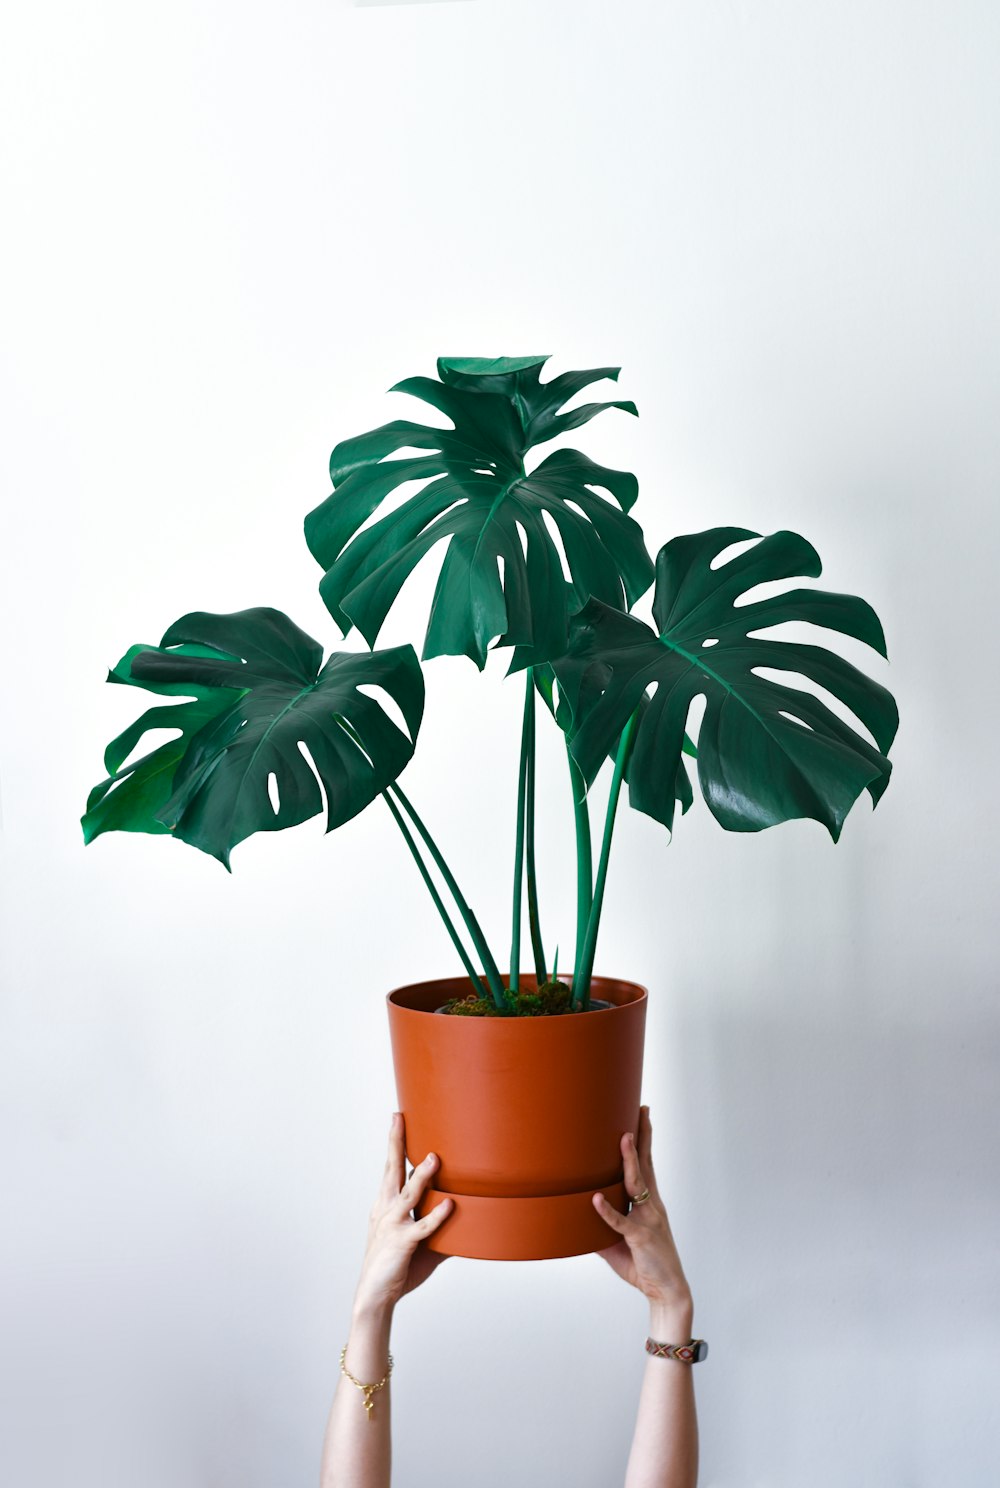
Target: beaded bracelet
(685, 1353)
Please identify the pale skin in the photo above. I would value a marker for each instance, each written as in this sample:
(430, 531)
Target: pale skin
(665, 1442)
(357, 1451)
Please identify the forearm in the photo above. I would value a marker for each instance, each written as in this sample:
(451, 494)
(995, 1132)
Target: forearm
(357, 1452)
(665, 1445)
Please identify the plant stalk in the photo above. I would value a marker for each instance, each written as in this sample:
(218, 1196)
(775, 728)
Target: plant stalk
(585, 967)
(534, 920)
(474, 977)
(490, 968)
(522, 787)
(584, 863)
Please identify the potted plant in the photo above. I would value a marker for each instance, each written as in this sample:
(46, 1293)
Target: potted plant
(270, 735)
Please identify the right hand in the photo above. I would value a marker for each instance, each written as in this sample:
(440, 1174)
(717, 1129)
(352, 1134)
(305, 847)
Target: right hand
(645, 1254)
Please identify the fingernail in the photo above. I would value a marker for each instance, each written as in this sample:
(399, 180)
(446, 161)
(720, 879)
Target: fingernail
(430, 1159)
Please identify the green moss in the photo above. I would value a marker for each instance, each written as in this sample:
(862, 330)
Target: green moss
(551, 999)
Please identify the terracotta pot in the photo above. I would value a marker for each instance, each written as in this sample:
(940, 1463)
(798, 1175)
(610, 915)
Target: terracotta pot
(525, 1114)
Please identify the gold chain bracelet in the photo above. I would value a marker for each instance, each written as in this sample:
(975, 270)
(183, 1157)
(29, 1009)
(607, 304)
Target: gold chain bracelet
(369, 1391)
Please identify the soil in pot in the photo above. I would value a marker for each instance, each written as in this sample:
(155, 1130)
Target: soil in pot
(551, 999)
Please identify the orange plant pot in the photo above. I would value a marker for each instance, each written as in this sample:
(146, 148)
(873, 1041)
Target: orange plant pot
(525, 1114)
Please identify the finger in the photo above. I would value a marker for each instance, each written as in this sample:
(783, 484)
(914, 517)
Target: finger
(395, 1162)
(644, 1139)
(433, 1220)
(645, 1149)
(634, 1181)
(418, 1181)
(609, 1214)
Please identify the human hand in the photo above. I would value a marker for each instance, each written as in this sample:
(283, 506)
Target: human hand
(395, 1261)
(645, 1254)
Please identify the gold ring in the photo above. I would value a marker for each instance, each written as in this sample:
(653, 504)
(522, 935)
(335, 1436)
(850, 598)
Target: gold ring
(640, 1198)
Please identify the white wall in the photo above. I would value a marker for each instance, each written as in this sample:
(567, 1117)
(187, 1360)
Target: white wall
(229, 229)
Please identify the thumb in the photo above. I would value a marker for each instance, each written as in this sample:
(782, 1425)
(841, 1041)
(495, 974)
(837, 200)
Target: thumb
(609, 1214)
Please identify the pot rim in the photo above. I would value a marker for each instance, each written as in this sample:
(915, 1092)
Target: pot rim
(636, 993)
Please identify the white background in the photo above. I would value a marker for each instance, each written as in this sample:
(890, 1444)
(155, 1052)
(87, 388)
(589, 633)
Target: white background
(228, 229)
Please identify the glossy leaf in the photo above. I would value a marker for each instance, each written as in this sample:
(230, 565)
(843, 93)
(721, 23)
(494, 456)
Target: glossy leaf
(131, 799)
(478, 499)
(545, 680)
(767, 751)
(259, 695)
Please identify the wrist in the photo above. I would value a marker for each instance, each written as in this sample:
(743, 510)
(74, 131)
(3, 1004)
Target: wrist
(671, 1321)
(367, 1348)
(372, 1314)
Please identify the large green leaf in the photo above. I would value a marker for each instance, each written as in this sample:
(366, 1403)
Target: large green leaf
(477, 495)
(545, 685)
(131, 799)
(259, 695)
(767, 751)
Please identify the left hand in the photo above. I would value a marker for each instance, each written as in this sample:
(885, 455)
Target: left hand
(395, 1260)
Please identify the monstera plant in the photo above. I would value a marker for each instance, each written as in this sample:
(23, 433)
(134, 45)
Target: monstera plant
(546, 564)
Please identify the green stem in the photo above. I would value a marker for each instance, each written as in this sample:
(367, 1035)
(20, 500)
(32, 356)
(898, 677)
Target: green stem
(432, 890)
(584, 970)
(490, 968)
(584, 863)
(534, 921)
(522, 785)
